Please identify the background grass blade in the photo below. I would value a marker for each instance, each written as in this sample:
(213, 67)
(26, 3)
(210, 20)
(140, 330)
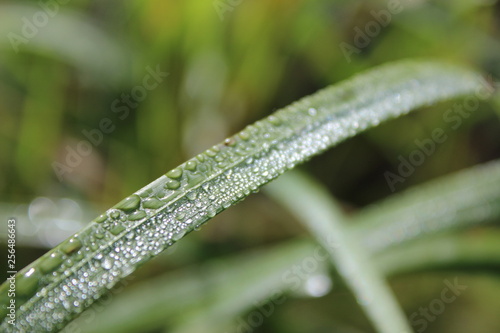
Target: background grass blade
(68, 279)
(460, 200)
(312, 204)
(478, 250)
(456, 252)
(245, 289)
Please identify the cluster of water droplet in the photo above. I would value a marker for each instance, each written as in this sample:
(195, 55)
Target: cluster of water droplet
(73, 275)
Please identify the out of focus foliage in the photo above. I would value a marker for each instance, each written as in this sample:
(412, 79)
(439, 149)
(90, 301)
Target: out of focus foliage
(221, 65)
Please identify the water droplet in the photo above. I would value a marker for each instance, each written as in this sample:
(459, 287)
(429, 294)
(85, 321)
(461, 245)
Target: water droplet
(191, 165)
(180, 216)
(68, 262)
(51, 262)
(137, 215)
(101, 218)
(229, 142)
(210, 153)
(66, 304)
(173, 184)
(191, 195)
(312, 111)
(152, 203)
(146, 193)
(318, 285)
(99, 235)
(244, 134)
(71, 246)
(211, 212)
(194, 179)
(117, 229)
(79, 255)
(179, 235)
(201, 157)
(107, 263)
(129, 204)
(175, 173)
(115, 214)
(27, 283)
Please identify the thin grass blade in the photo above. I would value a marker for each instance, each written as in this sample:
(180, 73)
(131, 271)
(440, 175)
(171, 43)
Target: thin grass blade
(324, 219)
(463, 199)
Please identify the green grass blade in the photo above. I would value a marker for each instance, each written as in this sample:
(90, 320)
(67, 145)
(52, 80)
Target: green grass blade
(441, 251)
(59, 286)
(314, 207)
(460, 200)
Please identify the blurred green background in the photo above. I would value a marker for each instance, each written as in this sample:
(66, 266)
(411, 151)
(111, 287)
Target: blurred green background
(64, 67)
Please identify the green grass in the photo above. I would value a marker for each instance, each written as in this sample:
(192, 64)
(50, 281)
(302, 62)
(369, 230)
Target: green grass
(70, 277)
(438, 223)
